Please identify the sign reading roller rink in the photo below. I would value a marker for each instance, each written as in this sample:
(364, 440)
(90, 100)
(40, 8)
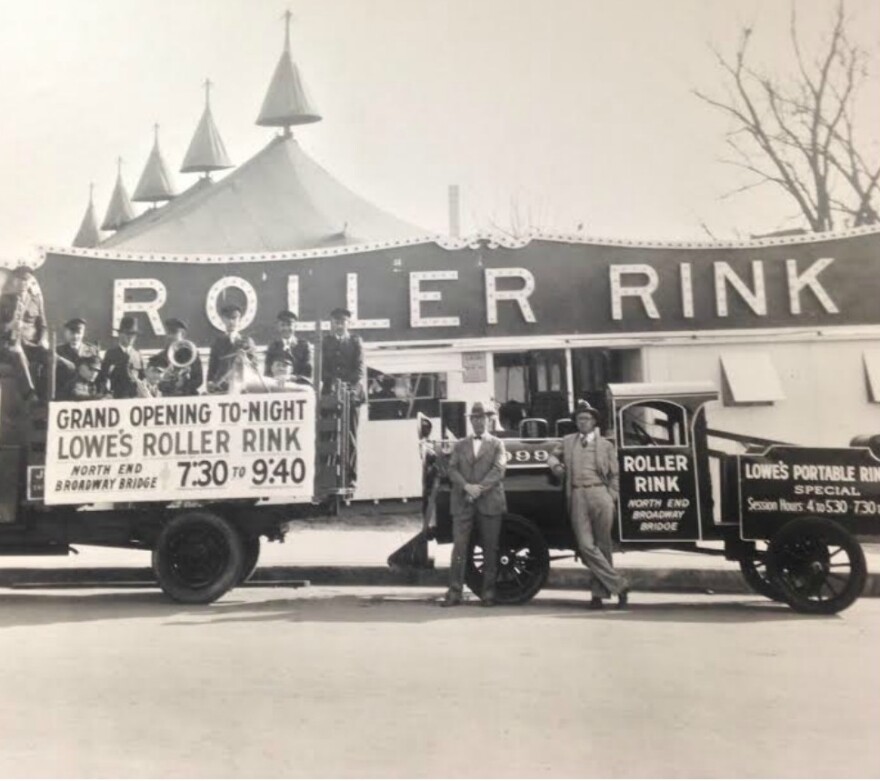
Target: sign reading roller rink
(204, 447)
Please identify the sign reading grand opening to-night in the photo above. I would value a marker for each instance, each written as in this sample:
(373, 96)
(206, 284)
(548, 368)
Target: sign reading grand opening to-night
(260, 446)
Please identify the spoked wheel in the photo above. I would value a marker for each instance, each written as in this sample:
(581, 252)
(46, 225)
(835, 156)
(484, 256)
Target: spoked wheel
(523, 562)
(251, 547)
(818, 565)
(198, 557)
(753, 566)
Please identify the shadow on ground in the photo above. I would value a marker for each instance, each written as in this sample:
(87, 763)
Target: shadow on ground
(329, 606)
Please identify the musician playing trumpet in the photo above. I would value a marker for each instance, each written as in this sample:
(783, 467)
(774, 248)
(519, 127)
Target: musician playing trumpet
(179, 361)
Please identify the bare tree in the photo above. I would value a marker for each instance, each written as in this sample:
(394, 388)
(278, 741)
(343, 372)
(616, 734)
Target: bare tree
(799, 133)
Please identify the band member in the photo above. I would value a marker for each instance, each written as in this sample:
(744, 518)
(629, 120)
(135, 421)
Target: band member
(23, 336)
(588, 463)
(343, 361)
(227, 349)
(283, 377)
(288, 344)
(82, 385)
(74, 348)
(476, 471)
(148, 387)
(178, 380)
(123, 365)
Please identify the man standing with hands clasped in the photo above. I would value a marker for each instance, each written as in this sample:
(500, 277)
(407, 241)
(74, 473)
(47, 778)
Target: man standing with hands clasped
(476, 471)
(589, 465)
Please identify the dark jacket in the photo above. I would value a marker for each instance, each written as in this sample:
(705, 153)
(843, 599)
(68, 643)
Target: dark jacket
(300, 352)
(486, 469)
(120, 371)
(341, 359)
(66, 362)
(78, 389)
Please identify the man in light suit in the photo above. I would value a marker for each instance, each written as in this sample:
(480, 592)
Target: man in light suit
(588, 464)
(476, 471)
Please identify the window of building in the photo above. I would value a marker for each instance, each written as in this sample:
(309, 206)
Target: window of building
(594, 367)
(749, 378)
(404, 396)
(531, 391)
(652, 423)
(872, 374)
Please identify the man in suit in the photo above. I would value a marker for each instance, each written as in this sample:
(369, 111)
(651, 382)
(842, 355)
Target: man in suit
(588, 463)
(183, 381)
(23, 333)
(68, 354)
(476, 471)
(342, 360)
(226, 349)
(289, 345)
(123, 366)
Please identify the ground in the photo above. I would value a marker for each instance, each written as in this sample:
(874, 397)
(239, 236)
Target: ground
(366, 681)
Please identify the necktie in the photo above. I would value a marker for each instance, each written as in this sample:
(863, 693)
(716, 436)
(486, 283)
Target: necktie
(584, 440)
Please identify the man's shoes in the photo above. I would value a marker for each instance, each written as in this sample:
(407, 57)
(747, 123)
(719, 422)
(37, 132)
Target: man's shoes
(488, 602)
(450, 600)
(596, 604)
(623, 599)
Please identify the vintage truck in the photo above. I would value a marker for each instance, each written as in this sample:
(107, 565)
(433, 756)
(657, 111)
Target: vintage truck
(789, 515)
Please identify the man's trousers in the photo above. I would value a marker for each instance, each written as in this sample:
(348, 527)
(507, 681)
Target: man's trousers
(489, 529)
(592, 516)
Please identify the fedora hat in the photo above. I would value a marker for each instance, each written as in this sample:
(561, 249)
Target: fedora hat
(584, 407)
(127, 325)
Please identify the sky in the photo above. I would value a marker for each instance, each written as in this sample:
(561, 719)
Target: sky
(556, 115)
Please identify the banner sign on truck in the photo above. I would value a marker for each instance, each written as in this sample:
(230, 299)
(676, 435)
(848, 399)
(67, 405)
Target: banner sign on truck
(172, 449)
(786, 482)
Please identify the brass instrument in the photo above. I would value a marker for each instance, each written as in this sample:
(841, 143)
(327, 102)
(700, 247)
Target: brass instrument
(181, 356)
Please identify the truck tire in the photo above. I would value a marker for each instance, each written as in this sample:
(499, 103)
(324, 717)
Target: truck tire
(754, 571)
(819, 566)
(251, 547)
(524, 562)
(198, 557)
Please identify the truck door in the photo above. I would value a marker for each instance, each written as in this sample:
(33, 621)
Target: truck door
(658, 483)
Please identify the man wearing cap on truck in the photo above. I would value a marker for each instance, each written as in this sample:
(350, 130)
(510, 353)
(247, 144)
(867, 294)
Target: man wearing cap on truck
(123, 365)
(289, 345)
(75, 347)
(588, 463)
(343, 361)
(476, 471)
(82, 385)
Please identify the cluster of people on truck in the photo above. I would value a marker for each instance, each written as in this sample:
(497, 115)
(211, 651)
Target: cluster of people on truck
(82, 373)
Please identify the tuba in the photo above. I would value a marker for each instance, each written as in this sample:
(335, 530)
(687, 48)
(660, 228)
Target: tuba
(181, 355)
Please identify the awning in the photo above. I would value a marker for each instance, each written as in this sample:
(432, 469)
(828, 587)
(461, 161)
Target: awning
(750, 378)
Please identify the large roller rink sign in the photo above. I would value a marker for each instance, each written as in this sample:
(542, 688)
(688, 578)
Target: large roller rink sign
(425, 291)
(208, 447)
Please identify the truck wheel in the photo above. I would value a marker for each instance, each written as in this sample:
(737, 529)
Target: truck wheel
(754, 570)
(251, 546)
(198, 557)
(523, 566)
(818, 565)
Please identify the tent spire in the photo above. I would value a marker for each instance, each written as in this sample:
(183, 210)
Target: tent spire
(88, 234)
(286, 102)
(155, 182)
(206, 151)
(119, 210)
